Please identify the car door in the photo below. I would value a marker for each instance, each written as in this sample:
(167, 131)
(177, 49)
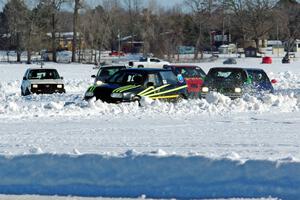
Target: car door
(155, 62)
(25, 82)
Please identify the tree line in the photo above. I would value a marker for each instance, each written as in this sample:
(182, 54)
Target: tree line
(33, 25)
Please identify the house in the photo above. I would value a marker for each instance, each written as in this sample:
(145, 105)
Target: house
(65, 40)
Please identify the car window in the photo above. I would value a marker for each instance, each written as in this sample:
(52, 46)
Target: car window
(43, 74)
(189, 72)
(168, 77)
(154, 60)
(200, 72)
(227, 74)
(155, 79)
(125, 77)
(107, 72)
(258, 76)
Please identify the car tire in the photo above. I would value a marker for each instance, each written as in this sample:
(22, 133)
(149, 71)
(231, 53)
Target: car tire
(137, 99)
(140, 66)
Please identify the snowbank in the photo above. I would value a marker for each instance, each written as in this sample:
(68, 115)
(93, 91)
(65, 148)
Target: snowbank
(155, 175)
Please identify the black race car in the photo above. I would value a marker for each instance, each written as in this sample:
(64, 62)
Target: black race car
(131, 84)
(234, 82)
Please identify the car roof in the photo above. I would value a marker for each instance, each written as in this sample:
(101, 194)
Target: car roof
(228, 68)
(37, 68)
(146, 69)
(254, 69)
(181, 66)
(112, 66)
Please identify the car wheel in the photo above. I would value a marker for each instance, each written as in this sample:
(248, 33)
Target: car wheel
(140, 66)
(137, 99)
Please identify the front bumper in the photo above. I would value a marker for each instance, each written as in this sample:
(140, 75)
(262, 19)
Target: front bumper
(230, 95)
(47, 89)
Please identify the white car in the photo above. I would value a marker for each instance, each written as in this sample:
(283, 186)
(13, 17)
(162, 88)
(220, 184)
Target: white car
(42, 81)
(148, 62)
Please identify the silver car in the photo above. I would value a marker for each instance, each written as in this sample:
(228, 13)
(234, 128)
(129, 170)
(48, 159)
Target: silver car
(42, 81)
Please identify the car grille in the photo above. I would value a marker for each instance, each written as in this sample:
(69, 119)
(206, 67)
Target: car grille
(46, 88)
(224, 90)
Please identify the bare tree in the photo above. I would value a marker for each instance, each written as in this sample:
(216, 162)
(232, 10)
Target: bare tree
(77, 6)
(254, 18)
(288, 21)
(201, 14)
(48, 11)
(15, 12)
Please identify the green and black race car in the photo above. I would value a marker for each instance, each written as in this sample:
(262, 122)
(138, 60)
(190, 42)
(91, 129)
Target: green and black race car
(235, 82)
(131, 84)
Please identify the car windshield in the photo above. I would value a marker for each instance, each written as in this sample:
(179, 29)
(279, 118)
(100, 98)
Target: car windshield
(168, 77)
(43, 74)
(227, 74)
(127, 77)
(190, 72)
(104, 73)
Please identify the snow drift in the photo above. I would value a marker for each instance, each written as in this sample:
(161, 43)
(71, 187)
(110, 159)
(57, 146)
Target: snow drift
(154, 175)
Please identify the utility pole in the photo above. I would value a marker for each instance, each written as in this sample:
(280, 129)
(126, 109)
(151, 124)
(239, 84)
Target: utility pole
(75, 22)
(119, 43)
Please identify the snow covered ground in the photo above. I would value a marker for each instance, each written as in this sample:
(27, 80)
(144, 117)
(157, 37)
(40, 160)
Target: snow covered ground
(60, 144)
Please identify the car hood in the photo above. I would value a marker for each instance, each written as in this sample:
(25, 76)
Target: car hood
(46, 81)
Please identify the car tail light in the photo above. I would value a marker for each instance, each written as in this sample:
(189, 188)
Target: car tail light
(273, 81)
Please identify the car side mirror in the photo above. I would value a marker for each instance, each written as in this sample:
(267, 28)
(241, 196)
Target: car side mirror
(93, 76)
(61, 77)
(24, 78)
(273, 81)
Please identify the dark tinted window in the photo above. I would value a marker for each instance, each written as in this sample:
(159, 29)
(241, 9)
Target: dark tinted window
(128, 77)
(258, 76)
(108, 71)
(43, 74)
(153, 78)
(168, 77)
(227, 74)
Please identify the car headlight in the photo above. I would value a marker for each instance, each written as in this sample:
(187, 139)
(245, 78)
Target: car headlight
(237, 90)
(99, 82)
(34, 86)
(205, 89)
(128, 95)
(116, 95)
(89, 94)
(59, 86)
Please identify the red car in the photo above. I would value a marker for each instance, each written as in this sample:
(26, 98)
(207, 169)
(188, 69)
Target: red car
(116, 53)
(193, 75)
